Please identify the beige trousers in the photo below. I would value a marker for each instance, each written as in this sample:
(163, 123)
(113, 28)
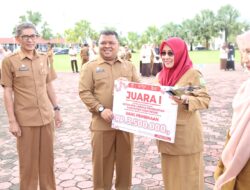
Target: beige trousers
(112, 150)
(36, 158)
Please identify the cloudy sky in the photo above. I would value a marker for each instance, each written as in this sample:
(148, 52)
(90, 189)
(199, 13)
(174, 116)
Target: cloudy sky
(124, 15)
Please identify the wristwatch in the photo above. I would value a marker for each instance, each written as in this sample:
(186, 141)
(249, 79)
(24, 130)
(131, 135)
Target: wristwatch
(101, 109)
(56, 108)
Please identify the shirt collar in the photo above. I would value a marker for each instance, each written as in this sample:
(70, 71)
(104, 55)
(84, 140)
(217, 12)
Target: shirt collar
(23, 55)
(101, 60)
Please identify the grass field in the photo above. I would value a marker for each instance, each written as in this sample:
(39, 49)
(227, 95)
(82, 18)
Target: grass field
(62, 62)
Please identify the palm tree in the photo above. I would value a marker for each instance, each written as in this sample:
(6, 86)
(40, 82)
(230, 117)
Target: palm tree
(46, 31)
(33, 17)
(227, 20)
(204, 26)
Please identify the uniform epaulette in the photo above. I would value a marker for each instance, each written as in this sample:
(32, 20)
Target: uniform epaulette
(91, 61)
(42, 53)
(11, 54)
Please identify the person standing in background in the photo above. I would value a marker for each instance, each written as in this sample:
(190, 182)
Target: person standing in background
(93, 51)
(32, 109)
(157, 66)
(231, 57)
(50, 52)
(128, 54)
(73, 59)
(223, 56)
(84, 53)
(2, 55)
(145, 57)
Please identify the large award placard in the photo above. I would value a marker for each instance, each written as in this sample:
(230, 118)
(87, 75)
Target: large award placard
(145, 110)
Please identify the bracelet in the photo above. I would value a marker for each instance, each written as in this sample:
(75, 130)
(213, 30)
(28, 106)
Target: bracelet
(56, 108)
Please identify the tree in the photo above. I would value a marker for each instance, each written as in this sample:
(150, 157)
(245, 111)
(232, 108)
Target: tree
(46, 31)
(33, 17)
(81, 32)
(36, 18)
(170, 30)
(227, 21)
(133, 40)
(204, 26)
(187, 32)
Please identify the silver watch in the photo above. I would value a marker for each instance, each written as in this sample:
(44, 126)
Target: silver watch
(101, 109)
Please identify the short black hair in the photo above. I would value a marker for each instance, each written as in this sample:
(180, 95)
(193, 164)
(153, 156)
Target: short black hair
(110, 32)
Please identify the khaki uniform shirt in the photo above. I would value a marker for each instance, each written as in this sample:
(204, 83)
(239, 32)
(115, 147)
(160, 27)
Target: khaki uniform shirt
(28, 79)
(84, 54)
(97, 83)
(189, 133)
(128, 56)
(50, 54)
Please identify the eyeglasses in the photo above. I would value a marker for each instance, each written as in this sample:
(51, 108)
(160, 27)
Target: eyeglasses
(27, 37)
(169, 53)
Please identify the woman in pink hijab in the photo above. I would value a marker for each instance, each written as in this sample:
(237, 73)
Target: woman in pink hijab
(233, 170)
(182, 161)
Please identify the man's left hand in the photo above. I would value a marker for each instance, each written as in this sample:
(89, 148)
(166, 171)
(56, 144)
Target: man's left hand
(58, 119)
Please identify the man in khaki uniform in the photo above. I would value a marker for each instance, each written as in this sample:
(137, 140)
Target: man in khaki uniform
(128, 54)
(85, 53)
(28, 75)
(111, 148)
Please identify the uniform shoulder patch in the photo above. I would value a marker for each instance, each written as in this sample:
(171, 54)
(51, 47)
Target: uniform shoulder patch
(42, 53)
(12, 54)
(91, 61)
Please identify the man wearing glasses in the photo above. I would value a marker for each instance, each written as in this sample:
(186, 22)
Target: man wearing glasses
(28, 75)
(112, 149)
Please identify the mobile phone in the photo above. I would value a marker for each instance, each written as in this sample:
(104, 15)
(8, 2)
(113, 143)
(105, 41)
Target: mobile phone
(171, 93)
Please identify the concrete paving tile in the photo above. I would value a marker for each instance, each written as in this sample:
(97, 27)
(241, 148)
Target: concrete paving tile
(85, 184)
(66, 176)
(5, 185)
(68, 183)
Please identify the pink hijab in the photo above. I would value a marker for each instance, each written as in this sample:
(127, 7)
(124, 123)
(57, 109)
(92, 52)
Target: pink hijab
(237, 151)
(182, 62)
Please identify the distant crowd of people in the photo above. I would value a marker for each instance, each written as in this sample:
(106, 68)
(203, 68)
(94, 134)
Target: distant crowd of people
(150, 60)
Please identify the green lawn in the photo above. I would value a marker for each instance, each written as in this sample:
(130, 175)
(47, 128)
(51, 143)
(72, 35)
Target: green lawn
(62, 62)
(203, 57)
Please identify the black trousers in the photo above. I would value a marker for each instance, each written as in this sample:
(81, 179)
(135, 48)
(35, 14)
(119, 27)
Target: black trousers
(74, 66)
(230, 65)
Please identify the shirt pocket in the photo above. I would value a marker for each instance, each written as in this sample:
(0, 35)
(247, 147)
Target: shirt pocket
(102, 81)
(23, 78)
(127, 74)
(43, 71)
(42, 75)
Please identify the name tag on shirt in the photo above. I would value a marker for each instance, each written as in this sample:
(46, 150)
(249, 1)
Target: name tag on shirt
(99, 70)
(23, 68)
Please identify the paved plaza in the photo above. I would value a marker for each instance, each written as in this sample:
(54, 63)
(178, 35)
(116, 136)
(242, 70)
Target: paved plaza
(72, 141)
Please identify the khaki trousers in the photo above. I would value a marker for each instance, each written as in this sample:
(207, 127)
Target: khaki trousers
(112, 149)
(36, 157)
(183, 172)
